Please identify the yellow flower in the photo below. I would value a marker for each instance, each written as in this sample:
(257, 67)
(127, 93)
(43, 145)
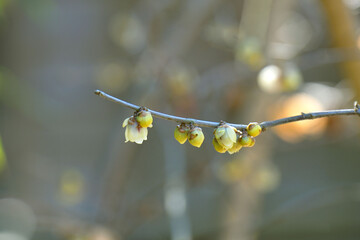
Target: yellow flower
(181, 133)
(225, 136)
(144, 119)
(134, 132)
(196, 137)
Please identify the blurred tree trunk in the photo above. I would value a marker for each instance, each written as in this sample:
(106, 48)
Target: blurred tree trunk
(342, 29)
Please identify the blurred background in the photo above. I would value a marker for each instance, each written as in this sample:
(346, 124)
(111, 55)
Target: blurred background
(66, 173)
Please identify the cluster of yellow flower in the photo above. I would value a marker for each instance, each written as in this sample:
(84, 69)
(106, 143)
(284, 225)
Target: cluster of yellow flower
(230, 139)
(185, 132)
(136, 126)
(226, 138)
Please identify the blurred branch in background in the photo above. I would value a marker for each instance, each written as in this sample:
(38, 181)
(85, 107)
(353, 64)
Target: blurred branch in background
(175, 192)
(342, 29)
(3, 162)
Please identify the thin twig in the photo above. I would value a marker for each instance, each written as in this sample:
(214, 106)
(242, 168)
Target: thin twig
(177, 119)
(264, 125)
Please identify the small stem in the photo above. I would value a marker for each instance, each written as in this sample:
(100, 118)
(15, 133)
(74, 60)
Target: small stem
(264, 125)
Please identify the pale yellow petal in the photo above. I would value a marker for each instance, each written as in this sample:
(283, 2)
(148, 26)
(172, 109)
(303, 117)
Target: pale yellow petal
(143, 133)
(220, 131)
(231, 134)
(126, 134)
(226, 142)
(133, 133)
(125, 123)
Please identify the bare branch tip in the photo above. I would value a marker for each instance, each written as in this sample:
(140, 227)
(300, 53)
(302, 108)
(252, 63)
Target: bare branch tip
(356, 105)
(97, 92)
(357, 108)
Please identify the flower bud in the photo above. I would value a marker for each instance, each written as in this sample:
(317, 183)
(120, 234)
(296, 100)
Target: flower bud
(217, 146)
(253, 129)
(144, 119)
(181, 133)
(196, 137)
(134, 132)
(225, 136)
(245, 140)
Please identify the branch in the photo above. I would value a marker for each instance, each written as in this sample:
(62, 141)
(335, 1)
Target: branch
(264, 125)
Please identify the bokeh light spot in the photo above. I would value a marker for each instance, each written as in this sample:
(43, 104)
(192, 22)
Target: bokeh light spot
(295, 105)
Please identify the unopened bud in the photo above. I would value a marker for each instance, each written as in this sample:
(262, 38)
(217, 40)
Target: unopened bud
(253, 129)
(144, 119)
(196, 137)
(245, 140)
(181, 133)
